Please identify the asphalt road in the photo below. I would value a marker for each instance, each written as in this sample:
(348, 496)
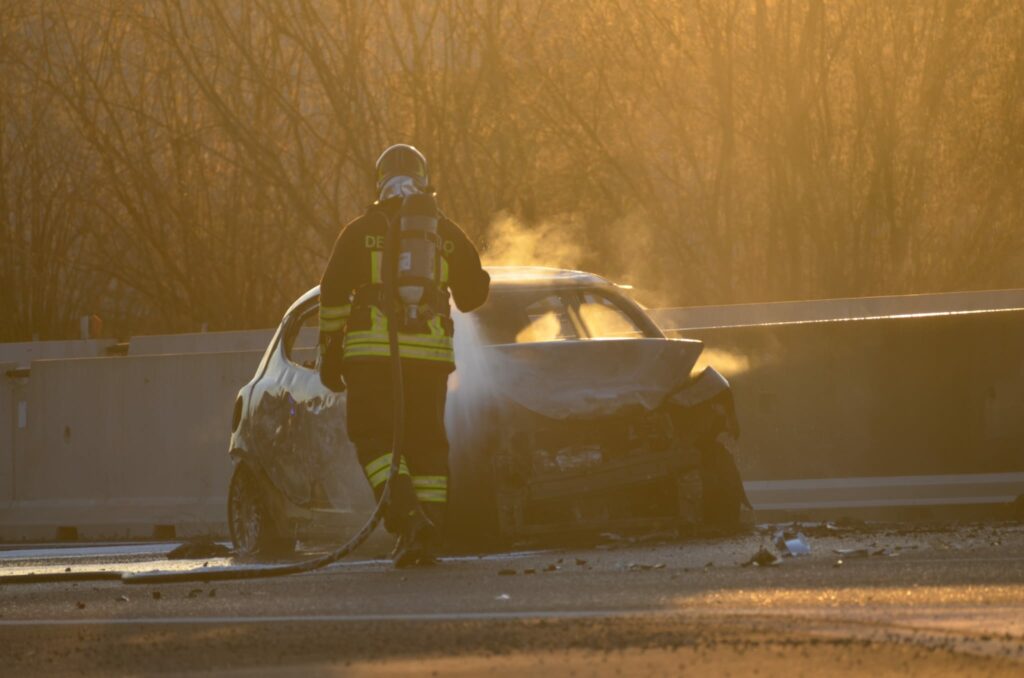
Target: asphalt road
(930, 601)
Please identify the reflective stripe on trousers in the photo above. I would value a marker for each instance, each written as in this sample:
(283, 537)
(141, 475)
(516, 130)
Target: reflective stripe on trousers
(431, 489)
(377, 470)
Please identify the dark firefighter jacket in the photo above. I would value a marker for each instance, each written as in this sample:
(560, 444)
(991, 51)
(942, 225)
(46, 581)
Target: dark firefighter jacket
(352, 318)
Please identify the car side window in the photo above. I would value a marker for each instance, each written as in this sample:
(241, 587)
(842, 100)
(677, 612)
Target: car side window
(604, 319)
(301, 337)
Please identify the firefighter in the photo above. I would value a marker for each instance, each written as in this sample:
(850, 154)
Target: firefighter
(354, 350)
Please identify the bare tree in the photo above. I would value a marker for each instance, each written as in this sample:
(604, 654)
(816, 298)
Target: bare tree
(174, 163)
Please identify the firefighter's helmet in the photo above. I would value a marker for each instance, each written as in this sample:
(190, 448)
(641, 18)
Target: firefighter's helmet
(402, 160)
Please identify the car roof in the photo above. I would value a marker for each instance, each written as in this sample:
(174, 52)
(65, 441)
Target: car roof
(543, 276)
(512, 277)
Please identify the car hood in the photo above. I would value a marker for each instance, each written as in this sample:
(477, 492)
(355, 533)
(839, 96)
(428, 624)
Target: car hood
(573, 379)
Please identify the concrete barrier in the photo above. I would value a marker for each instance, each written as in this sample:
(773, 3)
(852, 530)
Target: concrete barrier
(23, 353)
(8, 429)
(212, 342)
(858, 308)
(200, 342)
(920, 409)
(117, 446)
(878, 398)
(843, 494)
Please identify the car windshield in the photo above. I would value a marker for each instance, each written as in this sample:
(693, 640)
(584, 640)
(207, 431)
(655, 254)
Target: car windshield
(529, 315)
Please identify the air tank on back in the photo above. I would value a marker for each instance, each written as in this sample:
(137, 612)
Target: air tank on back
(417, 258)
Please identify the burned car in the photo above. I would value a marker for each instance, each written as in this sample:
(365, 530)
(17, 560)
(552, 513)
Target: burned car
(569, 412)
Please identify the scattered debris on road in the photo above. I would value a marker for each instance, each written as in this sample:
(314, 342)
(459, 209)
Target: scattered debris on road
(852, 553)
(791, 544)
(763, 558)
(643, 567)
(506, 572)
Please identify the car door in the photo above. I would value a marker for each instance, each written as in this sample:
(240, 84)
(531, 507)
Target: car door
(324, 472)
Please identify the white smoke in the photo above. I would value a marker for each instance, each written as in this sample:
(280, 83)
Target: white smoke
(472, 388)
(558, 242)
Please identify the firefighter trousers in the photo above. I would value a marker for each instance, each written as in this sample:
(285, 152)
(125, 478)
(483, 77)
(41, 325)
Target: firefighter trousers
(423, 473)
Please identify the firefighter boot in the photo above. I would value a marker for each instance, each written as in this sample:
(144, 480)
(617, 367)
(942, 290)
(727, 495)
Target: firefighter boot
(415, 544)
(401, 506)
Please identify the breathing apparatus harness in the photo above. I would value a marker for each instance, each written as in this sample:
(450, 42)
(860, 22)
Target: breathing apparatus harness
(409, 297)
(421, 294)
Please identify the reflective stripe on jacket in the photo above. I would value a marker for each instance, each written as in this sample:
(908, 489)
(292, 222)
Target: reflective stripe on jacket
(434, 345)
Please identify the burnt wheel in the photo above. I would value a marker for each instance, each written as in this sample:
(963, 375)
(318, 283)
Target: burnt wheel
(722, 494)
(254, 527)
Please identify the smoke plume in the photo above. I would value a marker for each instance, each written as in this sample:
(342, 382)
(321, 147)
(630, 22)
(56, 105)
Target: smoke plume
(558, 243)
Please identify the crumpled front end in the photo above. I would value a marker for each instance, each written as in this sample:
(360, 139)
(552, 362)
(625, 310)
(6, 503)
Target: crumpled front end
(600, 436)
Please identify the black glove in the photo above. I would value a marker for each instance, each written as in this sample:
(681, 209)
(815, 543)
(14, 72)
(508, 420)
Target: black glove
(328, 363)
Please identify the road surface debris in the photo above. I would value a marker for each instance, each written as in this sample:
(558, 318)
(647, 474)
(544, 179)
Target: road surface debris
(763, 558)
(791, 544)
